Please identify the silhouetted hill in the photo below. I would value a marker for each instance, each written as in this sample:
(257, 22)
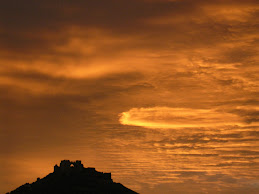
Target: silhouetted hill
(73, 178)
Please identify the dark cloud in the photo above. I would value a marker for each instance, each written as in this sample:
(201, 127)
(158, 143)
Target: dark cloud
(249, 115)
(42, 25)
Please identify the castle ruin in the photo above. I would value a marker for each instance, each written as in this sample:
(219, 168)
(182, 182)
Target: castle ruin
(68, 167)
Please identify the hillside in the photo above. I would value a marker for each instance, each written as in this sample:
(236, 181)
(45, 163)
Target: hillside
(73, 178)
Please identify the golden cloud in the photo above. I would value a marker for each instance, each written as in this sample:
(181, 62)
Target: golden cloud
(166, 117)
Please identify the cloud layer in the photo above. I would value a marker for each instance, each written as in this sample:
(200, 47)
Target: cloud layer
(69, 68)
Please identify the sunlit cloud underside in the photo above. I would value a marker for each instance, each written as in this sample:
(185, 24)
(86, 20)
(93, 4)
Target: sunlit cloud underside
(166, 117)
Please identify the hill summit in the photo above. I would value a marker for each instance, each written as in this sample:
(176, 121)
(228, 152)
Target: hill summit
(73, 178)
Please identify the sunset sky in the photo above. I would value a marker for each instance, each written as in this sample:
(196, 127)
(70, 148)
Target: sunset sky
(164, 94)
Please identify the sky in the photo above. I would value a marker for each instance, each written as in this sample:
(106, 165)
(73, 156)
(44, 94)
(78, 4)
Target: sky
(161, 93)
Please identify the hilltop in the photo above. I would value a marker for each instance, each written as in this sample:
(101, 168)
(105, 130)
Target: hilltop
(73, 178)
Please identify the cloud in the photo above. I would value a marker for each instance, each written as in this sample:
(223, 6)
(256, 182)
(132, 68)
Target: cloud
(166, 117)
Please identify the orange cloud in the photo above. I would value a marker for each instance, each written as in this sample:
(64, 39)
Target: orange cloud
(166, 117)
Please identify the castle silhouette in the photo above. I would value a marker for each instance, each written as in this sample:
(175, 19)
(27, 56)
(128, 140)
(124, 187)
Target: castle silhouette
(73, 178)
